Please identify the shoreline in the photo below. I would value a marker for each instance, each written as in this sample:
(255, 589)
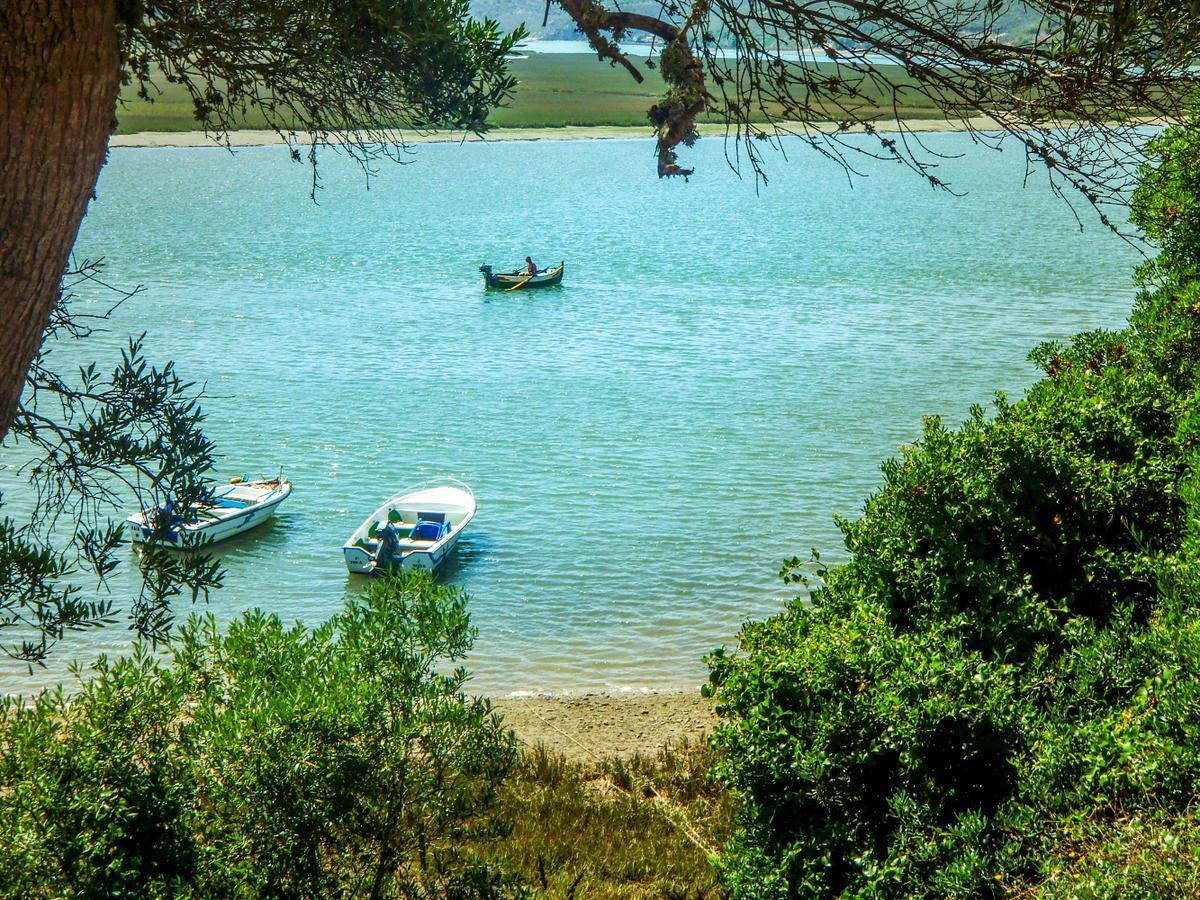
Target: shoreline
(587, 727)
(265, 138)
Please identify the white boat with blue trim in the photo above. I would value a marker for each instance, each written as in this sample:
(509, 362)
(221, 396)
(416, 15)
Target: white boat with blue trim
(232, 509)
(416, 529)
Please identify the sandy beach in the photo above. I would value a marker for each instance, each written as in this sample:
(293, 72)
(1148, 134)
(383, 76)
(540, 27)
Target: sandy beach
(260, 138)
(582, 727)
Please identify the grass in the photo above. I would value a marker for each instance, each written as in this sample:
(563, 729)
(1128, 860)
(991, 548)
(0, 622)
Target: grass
(554, 90)
(637, 827)
(577, 89)
(1134, 856)
(567, 89)
(642, 828)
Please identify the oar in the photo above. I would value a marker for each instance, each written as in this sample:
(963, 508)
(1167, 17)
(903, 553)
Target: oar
(520, 284)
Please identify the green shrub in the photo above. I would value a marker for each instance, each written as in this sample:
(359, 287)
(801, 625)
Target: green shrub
(1013, 646)
(267, 761)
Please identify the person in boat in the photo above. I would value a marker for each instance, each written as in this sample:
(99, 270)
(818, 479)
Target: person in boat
(530, 267)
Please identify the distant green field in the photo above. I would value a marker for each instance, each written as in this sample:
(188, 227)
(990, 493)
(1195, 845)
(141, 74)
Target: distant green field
(553, 90)
(578, 89)
(575, 89)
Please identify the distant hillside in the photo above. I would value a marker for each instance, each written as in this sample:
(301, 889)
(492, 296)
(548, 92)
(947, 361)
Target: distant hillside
(511, 13)
(1019, 23)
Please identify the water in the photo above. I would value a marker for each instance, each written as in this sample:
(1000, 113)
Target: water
(568, 46)
(648, 48)
(722, 372)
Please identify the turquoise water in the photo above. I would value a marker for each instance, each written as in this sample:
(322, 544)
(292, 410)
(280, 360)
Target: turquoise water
(722, 372)
(645, 49)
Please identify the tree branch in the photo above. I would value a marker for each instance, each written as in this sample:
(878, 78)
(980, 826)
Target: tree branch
(674, 118)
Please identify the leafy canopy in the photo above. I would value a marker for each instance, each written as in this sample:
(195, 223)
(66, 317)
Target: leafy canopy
(1009, 659)
(353, 73)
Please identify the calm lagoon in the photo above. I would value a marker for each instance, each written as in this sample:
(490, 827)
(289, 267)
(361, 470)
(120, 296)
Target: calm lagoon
(722, 372)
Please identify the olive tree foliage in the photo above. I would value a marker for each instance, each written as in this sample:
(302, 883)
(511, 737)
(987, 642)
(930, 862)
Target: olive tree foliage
(89, 443)
(349, 74)
(264, 760)
(1071, 91)
(354, 75)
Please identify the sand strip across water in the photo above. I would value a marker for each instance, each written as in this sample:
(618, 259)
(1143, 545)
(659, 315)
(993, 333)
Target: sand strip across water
(259, 137)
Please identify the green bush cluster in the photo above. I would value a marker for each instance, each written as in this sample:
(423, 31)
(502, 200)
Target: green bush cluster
(265, 761)
(1012, 652)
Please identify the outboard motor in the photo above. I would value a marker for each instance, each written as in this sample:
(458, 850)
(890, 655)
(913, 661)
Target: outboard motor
(389, 545)
(168, 514)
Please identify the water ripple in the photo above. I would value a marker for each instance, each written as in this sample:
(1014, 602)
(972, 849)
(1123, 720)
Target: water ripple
(720, 374)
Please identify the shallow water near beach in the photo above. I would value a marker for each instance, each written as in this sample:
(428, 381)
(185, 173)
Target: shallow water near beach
(722, 372)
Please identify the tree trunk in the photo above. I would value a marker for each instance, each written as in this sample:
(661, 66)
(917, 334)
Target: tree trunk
(60, 73)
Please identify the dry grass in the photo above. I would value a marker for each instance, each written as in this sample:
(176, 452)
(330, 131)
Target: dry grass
(637, 827)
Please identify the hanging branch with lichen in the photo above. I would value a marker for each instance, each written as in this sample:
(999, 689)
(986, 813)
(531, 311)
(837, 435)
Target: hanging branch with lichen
(673, 117)
(1074, 92)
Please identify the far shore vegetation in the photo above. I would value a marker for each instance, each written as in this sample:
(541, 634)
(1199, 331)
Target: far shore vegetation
(553, 90)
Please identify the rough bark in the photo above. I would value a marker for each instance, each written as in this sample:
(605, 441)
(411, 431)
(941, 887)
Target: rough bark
(59, 78)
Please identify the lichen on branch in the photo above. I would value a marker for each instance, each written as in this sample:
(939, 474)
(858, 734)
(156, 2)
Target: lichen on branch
(1071, 82)
(674, 117)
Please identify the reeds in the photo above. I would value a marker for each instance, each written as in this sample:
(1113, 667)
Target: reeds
(632, 827)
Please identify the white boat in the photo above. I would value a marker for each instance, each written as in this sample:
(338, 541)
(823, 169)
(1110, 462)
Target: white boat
(232, 509)
(417, 529)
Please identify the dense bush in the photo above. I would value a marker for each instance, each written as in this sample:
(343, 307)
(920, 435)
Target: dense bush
(266, 761)
(1013, 648)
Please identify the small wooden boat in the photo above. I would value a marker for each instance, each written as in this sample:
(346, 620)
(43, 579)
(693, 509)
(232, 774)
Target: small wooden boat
(417, 529)
(232, 509)
(514, 281)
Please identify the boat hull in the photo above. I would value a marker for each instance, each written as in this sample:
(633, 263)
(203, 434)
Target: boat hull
(193, 535)
(359, 562)
(516, 281)
(454, 502)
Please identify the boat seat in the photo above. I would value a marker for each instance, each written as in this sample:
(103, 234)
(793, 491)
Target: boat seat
(239, 493)
(230, 504)
(429, 529)
(373, 531)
